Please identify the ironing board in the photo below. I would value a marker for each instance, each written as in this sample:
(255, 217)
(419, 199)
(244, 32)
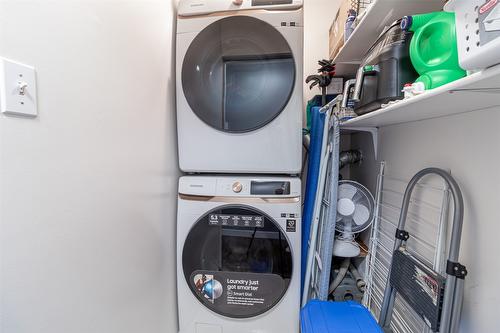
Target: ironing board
(316, 135)
(322, 229)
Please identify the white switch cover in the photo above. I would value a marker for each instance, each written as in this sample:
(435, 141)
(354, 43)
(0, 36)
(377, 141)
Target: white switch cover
(17, 89)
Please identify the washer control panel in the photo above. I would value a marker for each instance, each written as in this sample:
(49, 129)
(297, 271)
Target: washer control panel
(277, 187)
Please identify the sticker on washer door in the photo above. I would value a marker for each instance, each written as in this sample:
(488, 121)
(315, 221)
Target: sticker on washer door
(249, 221)
(236, 294)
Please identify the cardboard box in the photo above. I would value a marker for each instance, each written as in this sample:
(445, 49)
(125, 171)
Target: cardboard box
(337, 28)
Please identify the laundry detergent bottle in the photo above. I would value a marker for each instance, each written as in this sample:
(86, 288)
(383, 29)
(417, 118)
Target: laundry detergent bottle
(433, 49)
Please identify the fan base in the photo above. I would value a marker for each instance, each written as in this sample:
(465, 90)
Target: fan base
(346, 249)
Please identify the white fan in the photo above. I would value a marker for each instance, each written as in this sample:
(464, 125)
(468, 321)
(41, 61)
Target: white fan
(355, 209)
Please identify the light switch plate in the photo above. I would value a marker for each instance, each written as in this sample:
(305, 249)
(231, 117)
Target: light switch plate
(17, 89)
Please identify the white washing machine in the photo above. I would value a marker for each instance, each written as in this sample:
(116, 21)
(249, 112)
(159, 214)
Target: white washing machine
(238, 254)
(239, 86)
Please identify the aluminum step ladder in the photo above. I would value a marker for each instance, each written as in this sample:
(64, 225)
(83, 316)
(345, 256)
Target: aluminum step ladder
(434, 297)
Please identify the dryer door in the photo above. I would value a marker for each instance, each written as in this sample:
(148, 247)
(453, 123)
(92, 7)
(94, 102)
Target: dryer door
(237, 261)
(238, 74)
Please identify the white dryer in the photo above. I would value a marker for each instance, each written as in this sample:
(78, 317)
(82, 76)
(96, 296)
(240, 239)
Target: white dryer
(238, 254)
(239, 86)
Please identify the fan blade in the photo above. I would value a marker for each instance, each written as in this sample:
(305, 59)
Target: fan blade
(347, 191)
(359, 197)
(361, 214)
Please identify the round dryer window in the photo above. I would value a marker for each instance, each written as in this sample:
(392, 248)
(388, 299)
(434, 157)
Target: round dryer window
(238, 74)
(237, 261)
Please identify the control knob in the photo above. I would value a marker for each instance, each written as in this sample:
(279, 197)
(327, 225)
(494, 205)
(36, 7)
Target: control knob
(237, 187)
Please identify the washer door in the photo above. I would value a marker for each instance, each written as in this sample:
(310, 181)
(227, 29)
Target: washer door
(237, 261)
(238, 74)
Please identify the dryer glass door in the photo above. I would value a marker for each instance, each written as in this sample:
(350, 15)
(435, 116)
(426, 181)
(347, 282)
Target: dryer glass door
(238, 74)
(237, 261)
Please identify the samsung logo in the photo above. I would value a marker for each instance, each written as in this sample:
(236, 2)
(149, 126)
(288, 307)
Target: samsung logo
(196, 185)
(197, 4)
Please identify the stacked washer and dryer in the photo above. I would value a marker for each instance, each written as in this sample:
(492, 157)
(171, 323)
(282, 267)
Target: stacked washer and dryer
(239, 119)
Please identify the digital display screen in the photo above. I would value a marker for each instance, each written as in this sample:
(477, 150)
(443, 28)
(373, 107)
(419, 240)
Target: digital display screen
(270, 188)
(271, 2)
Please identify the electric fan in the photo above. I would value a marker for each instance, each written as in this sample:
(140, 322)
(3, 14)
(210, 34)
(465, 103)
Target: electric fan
(355, 209)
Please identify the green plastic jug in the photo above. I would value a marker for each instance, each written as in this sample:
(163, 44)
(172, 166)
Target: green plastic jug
(433, 48)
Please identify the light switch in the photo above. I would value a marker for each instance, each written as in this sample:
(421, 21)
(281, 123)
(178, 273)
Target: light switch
(17, 89)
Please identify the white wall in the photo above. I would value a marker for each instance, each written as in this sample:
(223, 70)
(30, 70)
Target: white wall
(318, 17)
(87, 189)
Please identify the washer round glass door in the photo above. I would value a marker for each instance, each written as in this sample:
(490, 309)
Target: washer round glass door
(237, 261)
(238, 74)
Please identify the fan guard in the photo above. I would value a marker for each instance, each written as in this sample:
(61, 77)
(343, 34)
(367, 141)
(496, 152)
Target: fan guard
(355, 207)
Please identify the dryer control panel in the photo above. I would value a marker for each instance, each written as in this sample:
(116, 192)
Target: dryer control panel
(204, 7)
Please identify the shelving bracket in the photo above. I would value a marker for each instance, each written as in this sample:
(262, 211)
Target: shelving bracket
(372, 130)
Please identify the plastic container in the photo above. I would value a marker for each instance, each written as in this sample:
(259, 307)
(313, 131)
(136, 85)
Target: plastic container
(384, 71)
(433, 49)
(337, 317)
(349, 24)
(478, 32)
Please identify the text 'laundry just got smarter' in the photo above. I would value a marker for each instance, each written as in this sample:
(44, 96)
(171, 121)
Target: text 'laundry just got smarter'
(242, 284)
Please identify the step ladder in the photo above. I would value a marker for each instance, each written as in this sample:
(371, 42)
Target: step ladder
(437, 299)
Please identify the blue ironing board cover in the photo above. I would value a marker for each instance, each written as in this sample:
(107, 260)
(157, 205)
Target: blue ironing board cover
(337, 317)
(318, 121)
